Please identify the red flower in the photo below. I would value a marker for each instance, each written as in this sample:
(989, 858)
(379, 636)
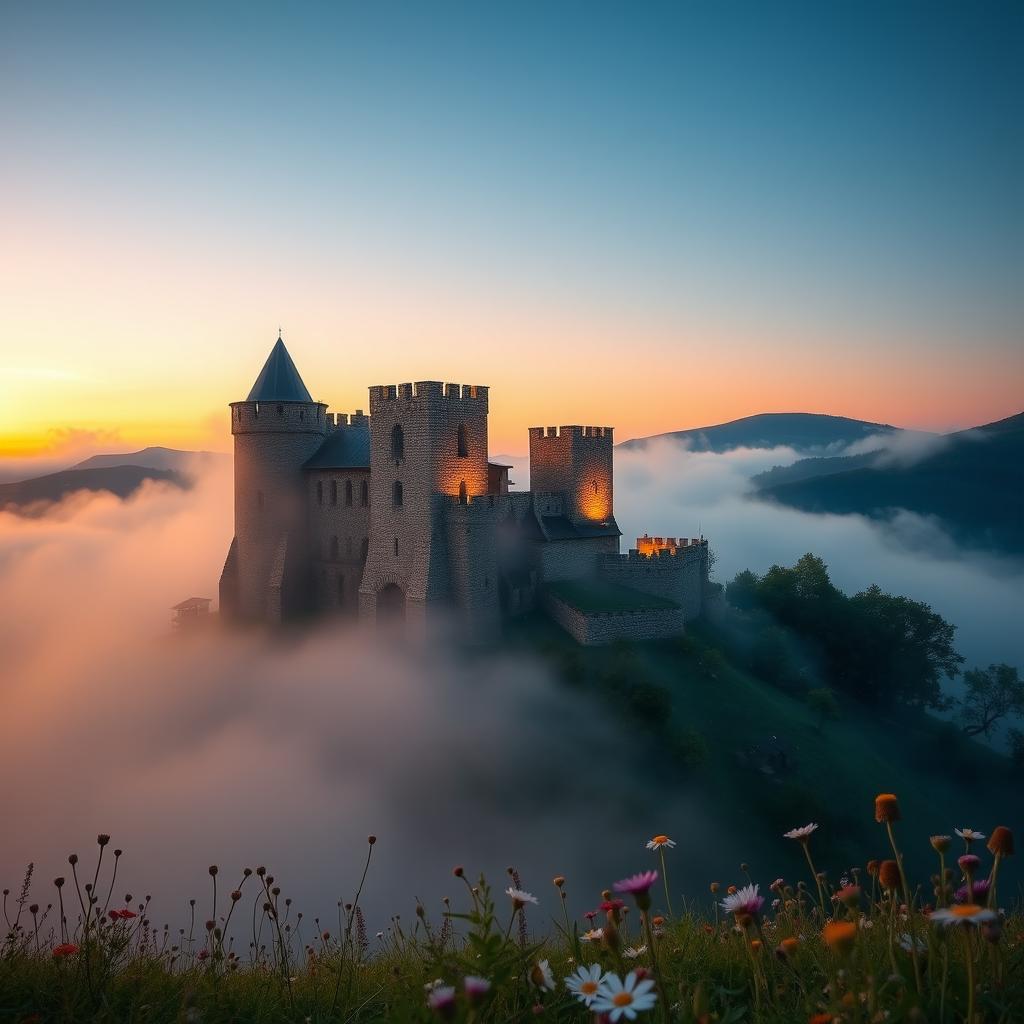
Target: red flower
(122, 915)
(65, 949)
(612, 905)
(203, 954)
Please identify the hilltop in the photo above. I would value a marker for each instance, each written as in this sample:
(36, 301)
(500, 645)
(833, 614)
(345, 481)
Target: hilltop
(27, 497)
(810, 433)
(973, 481)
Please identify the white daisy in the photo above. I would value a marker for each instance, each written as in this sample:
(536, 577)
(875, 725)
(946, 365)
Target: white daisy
(969, 834)
(632, 952)
(963, 913)
(596, 935)
(800, 833)
(585, 983)
(542, 977)
(660, 841)
(624, 998)
(908, 943)
(520, 896)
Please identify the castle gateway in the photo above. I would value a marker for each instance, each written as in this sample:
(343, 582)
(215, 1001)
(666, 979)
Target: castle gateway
(399, 514)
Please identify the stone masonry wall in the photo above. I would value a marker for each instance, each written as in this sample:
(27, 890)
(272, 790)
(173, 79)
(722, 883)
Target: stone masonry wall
(678, 576)
(572, 559)
(339, 530)
(607, 627)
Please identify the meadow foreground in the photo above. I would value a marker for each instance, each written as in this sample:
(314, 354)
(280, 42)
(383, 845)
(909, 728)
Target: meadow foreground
(869, 945)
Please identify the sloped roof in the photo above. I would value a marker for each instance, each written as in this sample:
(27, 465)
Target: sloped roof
(563, 528)
(279, 381)
(346, 447)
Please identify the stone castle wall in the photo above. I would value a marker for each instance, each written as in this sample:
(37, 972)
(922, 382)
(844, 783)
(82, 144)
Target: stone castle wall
(679, 576)
(338, 501)
(272, 441)
(441, 455)
(597, 628)
(575, 462)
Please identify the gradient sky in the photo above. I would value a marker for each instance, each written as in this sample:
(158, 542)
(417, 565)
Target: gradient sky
(650, 216)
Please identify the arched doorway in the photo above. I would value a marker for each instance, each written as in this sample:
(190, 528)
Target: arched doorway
(390, 603)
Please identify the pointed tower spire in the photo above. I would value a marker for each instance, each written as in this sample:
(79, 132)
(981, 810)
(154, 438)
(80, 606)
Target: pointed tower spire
(279, 381)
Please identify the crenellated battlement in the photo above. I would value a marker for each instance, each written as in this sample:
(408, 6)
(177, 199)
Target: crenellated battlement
(650, 546)
(344, 419)
(278, 417)
(427, 390)
(572, 431)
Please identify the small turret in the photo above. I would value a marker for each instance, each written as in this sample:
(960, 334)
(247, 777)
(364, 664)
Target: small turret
(276, 429)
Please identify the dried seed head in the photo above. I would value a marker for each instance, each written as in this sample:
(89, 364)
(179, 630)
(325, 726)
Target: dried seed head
(103, 839)
(59, 882)
(559, 881)
(73, 859)
(1001, 841)
(213, 870)
(371, 839)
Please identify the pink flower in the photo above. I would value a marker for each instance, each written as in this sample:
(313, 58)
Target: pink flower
(639, 887)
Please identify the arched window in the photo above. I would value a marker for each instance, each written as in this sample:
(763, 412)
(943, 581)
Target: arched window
(397, 443)
(396, 547)
(462, 493)
(364, 494)
(396, 494)
(334, 548)
(463, 450)
(348, 492)
(364, 548)
(302, 414)
(334, 492)
(320, 492)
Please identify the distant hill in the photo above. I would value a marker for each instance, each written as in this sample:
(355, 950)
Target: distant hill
(820, 465)
(154, 457)
(807, 432)
(974, 483)
(27, 496)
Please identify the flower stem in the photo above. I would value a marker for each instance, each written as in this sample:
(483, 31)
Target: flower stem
(664, 878)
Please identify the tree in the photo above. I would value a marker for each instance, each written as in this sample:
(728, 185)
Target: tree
(742, 592)
(990, 695)
(824, 704)
(902, 650)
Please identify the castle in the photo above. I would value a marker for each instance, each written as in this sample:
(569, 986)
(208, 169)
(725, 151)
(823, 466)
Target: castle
(399, 514)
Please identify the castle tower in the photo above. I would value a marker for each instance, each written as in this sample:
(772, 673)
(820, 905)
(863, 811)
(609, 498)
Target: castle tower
(428, 452)
(276, 429)
(575, 462)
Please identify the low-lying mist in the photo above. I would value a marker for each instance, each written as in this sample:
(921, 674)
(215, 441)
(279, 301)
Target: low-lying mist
(241, 749)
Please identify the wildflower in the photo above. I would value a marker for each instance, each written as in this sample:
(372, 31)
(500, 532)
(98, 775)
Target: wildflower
(715, 886)
(887, 808)
(745, 901)
(889, 874)
(585, 983)
(839, 936)
(940, 844)
(558, 881)
(787, 947)
(873, 866)
(519, 897)
(595, 935)
(639, 887)
(431, 985)
(203, 954)
(659, 841)
(610, 906)
(755, 944)
(442, 1000)
(978, 893)
(541, 976)
(657, 920)
(634, 952)
(968, 862)
(122, 915)
(624, 998)
(963, 913)
(64, 949)
(590, 915)
(849, 895)
(968, 835)
(1001, 841)
(801, 834)
(476, 988)
(820, 1018)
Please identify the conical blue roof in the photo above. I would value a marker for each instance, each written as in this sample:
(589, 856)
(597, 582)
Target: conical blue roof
(279, 381)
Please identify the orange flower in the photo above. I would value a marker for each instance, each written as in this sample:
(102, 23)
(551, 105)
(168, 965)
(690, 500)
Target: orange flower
(789, 945)
(65, 949)
(889, 874)
(731, 890)
(873, 868)
(887, 807)
(657, 921)
(820, 1018)
(755, 944)
(1001, 841)
(839, 936)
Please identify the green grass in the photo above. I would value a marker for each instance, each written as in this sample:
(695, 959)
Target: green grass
(590, 596)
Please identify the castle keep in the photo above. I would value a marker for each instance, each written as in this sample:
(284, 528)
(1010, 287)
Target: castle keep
(399, 514)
